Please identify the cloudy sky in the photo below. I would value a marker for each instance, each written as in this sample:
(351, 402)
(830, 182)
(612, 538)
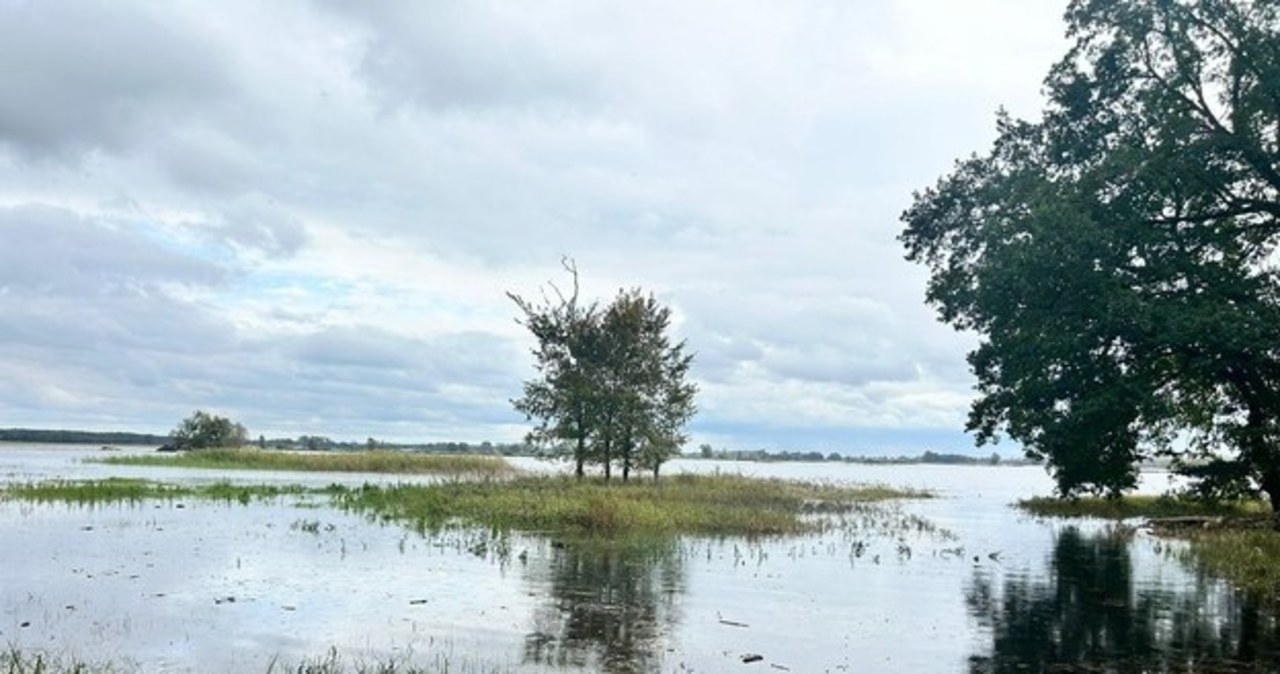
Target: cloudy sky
(305, 214)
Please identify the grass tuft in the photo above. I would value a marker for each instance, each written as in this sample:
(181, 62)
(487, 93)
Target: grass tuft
(15, 661)
(341, 462)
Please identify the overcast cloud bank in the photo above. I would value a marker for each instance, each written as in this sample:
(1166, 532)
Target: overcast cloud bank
(305, 214)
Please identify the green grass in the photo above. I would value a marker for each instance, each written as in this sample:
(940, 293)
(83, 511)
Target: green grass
(1128, 507)
(128, 490)
(1247, 557)
(343, 462)
(690, 504)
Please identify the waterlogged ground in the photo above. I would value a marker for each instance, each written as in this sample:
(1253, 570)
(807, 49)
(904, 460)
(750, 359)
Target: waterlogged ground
(202, 586)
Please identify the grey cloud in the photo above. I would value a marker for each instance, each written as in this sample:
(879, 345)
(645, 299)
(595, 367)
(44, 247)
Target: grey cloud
(50, 251)
(261, 224)
(81, 76)
(463, 56)
(469, 359)
(357, 347)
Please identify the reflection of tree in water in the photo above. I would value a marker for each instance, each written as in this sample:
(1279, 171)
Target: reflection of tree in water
(608, 605)
(1088, 616)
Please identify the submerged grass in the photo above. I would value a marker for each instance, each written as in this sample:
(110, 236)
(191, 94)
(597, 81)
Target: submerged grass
(343, 462)
(16, 661)
(692, 504)
(129, 490)
(1138, 506)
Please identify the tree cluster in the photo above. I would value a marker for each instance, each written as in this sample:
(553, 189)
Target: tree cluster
(611, 387)
(1118, 257)
(203, 430)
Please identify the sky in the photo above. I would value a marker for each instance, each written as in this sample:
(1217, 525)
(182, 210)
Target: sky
(306, 214)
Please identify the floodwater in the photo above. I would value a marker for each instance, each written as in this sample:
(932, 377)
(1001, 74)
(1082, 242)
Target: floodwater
(213, 587)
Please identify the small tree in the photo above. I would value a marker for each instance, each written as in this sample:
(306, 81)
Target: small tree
(563, 398)
(202, 430)
(611, 388)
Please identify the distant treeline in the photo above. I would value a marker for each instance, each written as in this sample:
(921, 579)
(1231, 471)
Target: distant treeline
(707, 452)
(312, 442)
(320, 443)
(79, 437)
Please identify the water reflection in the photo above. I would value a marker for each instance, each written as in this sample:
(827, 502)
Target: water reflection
(608, 607)
(1091, 613)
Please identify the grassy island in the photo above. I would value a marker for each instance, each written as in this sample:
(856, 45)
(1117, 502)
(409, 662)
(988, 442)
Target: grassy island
(376, 461)
(695, 504)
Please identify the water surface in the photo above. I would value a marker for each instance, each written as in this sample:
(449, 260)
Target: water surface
(204, 586)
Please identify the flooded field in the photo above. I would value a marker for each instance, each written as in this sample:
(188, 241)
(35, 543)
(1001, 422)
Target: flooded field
(208, 586)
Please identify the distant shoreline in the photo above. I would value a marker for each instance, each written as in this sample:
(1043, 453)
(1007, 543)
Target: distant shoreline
(114, 438)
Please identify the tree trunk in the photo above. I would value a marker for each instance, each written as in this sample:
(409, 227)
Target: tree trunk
(608, 459)
(625, 450)
(1259, 450)
(656, 466)
(1271, 487)
(580, 456)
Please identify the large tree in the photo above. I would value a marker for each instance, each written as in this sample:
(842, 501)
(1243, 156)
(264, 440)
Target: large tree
(1117, 257)
(611, 388)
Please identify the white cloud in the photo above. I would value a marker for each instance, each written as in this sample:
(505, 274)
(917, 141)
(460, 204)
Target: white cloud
(308, 213)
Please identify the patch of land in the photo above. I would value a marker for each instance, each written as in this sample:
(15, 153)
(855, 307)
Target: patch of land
(1139, 506)
(687, 504)
(377, 461)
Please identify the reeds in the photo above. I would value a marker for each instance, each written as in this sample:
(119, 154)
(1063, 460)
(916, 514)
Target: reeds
(341, 462)
(1247, 558)
(1235, 541)
(15, 661)
(1127, 507)
(129, 490)
(685, 504)
(681, 504)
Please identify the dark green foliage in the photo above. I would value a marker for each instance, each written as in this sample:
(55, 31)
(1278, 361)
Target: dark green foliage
(202, 430)
(611, 387)
(1116, 257)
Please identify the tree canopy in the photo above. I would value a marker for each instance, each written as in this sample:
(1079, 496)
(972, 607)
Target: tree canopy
(203, 430)
(1117, 257)
(611, 387)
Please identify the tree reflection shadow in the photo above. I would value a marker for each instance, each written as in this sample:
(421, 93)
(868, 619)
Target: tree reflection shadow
(1088, 614)
(608, 606)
